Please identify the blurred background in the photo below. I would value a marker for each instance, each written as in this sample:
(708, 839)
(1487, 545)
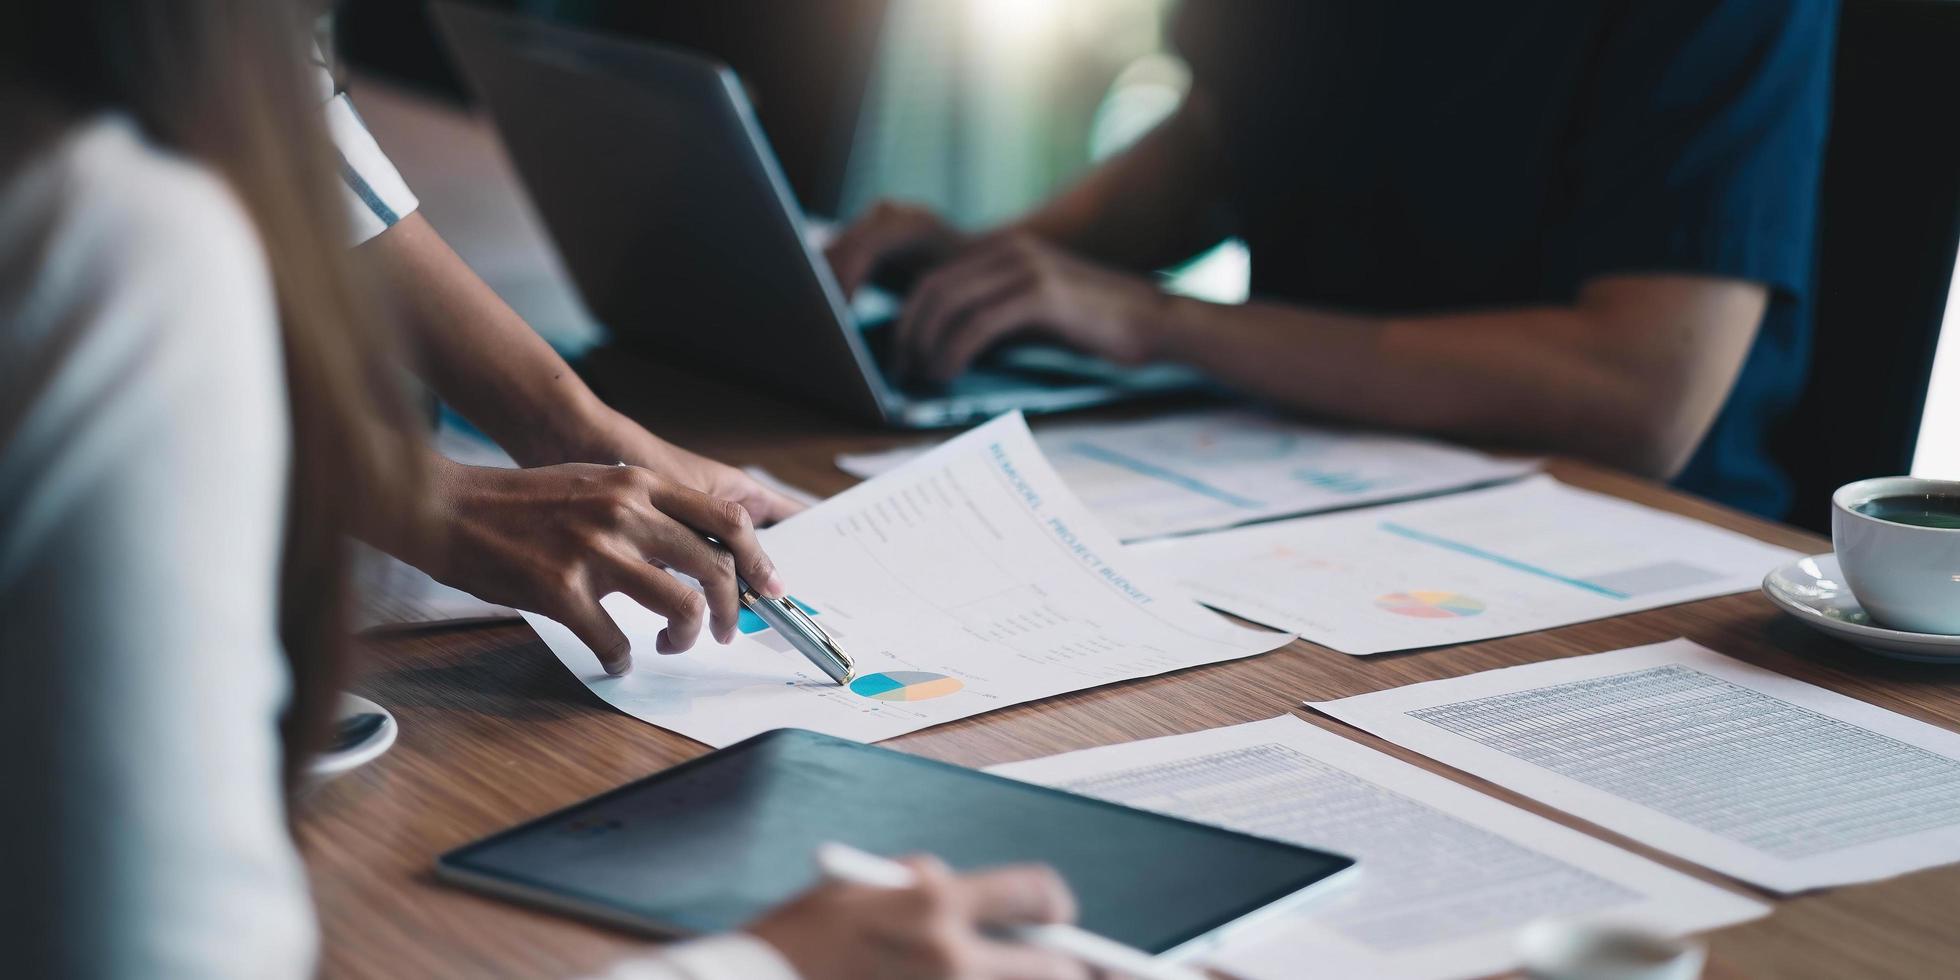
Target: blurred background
(979, 108)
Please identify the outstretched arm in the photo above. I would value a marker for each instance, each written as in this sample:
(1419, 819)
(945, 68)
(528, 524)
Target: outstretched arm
(1631, 373)
(558, 536)
(481, 357)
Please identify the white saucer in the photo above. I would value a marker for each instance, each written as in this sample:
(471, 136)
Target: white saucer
(1812, 590)
(330, 764)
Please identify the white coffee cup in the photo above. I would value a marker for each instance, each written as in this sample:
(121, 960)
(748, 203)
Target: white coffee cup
(1906, 576)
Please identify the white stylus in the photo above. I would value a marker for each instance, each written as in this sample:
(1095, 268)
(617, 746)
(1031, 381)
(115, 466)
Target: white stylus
(842, 862)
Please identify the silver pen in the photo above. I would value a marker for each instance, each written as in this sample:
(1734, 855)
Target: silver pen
(785, 617)
(796, 626)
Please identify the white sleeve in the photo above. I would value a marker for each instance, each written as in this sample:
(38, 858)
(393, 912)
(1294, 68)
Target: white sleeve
(730, 956)
(143, 458)
(375, 194)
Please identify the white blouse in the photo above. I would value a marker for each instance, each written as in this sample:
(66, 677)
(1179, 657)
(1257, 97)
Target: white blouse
(143, 466)
(143, 458)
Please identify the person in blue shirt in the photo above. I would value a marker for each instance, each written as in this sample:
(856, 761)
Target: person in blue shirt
(1571, 227)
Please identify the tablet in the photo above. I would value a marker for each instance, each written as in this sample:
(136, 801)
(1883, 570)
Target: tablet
(710, 844)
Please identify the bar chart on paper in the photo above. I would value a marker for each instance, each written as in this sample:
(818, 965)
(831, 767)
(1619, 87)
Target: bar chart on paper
(1484, 563)
(1206, 470)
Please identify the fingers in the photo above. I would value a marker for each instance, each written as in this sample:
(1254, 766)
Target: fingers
(595, 628)
(727, 522)
(944, 298)
(679, 547)
(1010, 896)
(964, 342)
(886, 232)
(1020, 961)
(684, 608)
(851, 256)
(935, 928)
(767, 506)
(856, 252)
(708, 538)
(1018, 895)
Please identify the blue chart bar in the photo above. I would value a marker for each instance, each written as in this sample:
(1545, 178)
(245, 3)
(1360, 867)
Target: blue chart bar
(1511, 563)
(1152, 470)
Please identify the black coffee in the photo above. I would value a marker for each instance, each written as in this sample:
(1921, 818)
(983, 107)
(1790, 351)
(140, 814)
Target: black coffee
(1917, 509)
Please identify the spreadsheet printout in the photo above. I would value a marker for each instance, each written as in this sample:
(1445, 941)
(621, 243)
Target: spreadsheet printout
(1200, 471)
(968, 580)
(1475, 565)
(1761, 776)
(1448, 875)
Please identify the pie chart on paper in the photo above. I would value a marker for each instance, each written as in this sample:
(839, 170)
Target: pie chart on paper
(1430, 605)
(905, 685)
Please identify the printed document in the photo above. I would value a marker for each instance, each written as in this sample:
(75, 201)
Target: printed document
(1448, 875)
(1744, 770)
(1516, 558)
(1206, 470)
(967, 580)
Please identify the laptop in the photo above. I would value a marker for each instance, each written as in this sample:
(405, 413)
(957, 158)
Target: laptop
(682, 236)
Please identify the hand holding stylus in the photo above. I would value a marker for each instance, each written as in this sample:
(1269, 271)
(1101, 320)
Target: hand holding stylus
(841, 862)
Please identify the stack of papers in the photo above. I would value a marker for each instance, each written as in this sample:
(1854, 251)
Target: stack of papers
(1486, 563)
(1448, 875)
(1757, 775)
(1207, 470)
(967, 580)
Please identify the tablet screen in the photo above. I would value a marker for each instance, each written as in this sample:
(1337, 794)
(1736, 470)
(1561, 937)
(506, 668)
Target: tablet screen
(709, 845)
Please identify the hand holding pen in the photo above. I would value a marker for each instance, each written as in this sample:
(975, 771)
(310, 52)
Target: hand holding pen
(625, 529)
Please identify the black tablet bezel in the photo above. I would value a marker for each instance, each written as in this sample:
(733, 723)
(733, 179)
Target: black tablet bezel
(455, 866)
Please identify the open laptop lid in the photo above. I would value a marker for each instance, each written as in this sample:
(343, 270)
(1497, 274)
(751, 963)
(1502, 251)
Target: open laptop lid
(663, 197)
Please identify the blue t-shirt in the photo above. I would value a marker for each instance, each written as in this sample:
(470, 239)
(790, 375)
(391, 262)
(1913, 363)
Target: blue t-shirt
(1404, 157)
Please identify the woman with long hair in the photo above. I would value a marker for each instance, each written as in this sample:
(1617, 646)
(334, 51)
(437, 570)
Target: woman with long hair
(195, 412)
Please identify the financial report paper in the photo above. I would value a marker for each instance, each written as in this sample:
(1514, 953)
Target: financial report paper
(1448, 875)
(967, 580)
(1205, 470)
(1509, 559)
(1749, 772)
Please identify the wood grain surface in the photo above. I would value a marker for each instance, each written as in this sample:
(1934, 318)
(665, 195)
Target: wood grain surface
(494, 731)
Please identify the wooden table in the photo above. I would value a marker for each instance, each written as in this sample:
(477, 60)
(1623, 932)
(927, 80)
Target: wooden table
(494, 731)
